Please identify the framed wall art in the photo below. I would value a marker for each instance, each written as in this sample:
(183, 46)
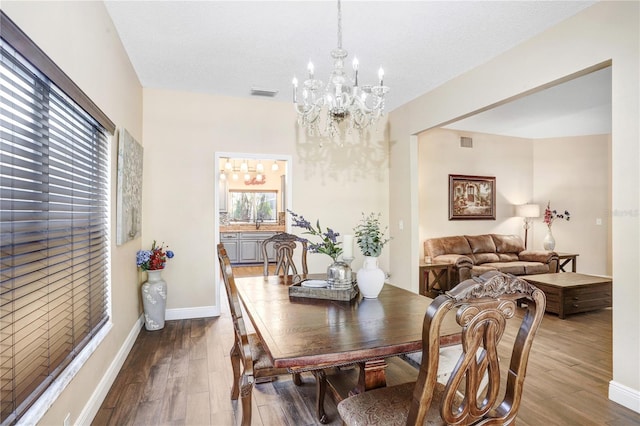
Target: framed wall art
(472, 197)
(129, 191)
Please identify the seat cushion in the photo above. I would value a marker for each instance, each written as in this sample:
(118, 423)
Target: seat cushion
(387, 406)
(262, 363)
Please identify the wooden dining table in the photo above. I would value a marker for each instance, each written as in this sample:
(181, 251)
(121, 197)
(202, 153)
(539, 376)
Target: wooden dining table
(305, 334)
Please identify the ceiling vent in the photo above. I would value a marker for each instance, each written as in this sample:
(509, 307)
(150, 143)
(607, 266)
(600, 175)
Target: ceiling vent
(466, 142)
(255, 91)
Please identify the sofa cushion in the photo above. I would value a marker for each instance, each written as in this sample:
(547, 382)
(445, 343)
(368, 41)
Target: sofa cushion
(447, 245)
(508, 257)
(508, 243)
(480, 258)
(476, 271)
(481, 243)
(536, 268)
(515, 268)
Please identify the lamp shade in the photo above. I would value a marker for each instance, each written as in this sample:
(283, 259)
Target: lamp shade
(528, 210)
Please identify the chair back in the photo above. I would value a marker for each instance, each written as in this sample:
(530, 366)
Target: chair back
(284, 246)
(241, 335)
(473, 393)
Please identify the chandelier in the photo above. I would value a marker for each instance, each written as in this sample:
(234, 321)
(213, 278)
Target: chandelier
(341, 99)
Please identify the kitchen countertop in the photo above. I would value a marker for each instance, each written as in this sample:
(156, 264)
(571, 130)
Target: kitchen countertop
(252, 228)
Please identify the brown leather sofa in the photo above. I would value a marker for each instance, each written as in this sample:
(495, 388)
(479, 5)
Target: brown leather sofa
(473, 255)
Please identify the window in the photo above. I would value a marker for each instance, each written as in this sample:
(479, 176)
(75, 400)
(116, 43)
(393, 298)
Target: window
(54, 200)
(247, 206)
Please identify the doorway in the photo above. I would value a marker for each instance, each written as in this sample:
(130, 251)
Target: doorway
(251, 190)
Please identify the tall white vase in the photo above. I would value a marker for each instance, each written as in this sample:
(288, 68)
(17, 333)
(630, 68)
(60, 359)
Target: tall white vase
(370, 278)
(549, 243)
(154, 300)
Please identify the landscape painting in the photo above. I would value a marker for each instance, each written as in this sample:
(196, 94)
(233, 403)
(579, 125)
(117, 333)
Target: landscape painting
(472, 197)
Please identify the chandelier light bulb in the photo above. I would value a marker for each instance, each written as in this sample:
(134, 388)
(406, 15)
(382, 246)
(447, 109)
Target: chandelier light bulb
(259, 177)
(244, 167)
(259, 166)
(234, 176)
(310, 69)
(228, 165)
(223, 176)
(247, 176)
(274, 166)
(381, 75)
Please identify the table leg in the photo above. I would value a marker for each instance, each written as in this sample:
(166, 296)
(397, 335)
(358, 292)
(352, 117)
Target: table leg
(372, 376)
(321, 390)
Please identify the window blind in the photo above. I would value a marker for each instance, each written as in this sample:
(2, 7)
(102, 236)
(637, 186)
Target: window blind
(54, 232)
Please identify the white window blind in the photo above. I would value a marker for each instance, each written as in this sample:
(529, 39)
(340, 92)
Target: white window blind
(54, 231)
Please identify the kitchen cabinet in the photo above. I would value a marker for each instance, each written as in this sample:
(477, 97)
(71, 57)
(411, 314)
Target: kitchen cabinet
(230, 242)
(246, 247)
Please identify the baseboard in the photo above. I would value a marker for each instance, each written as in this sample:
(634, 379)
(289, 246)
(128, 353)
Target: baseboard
(188, 313)
(100, 393)
(624, 396)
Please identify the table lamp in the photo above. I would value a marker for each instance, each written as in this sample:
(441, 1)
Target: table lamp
(527, 211)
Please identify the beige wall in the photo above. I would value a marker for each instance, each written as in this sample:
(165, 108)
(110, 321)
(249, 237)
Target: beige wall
(98, 64)
(573, 173)
(183, 131)
(607, 31)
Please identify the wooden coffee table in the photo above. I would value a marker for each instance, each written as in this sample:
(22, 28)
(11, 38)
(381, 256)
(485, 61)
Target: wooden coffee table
(570, 292)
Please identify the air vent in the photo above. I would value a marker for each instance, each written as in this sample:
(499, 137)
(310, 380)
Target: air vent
(466, 142)
(255, 91)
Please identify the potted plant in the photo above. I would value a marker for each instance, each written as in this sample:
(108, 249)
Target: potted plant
(338, 273)
(549, 243)
(370, 240)
(154, 290)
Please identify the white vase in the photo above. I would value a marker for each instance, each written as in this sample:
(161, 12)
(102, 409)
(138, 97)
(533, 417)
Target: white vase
(154, 300)
(370, 278)
(549, 243)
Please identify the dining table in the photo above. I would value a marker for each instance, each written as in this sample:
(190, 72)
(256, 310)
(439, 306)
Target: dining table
(308, 334)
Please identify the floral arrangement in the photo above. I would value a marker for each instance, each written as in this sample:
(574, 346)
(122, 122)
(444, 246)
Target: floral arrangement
(368, 235)
(329, 245)
(154, 259)
(551, 215)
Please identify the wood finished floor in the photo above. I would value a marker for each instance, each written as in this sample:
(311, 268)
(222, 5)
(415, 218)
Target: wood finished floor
(181, 375)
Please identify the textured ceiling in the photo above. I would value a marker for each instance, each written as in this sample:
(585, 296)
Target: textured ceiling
(228, 47)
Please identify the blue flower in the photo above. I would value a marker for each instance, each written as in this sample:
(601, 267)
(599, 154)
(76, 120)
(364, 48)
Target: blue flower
(142, 257)
(170, 254)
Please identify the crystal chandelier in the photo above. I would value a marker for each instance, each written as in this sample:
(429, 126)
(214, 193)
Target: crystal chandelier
(342, 98)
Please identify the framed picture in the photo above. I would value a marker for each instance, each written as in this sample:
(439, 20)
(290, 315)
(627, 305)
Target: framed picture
(129, 191)
(472, 197)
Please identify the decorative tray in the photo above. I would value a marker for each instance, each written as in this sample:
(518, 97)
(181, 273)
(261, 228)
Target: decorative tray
(314, 289)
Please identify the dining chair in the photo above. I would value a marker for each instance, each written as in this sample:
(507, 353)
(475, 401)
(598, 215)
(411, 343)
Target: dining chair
(247, 351)
(484, 305)
(284, 246)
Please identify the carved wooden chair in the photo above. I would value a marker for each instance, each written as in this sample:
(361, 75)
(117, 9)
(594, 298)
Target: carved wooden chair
(484, 306)
(284, 246)
(247, 351)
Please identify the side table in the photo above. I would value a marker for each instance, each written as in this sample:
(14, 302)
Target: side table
(434, 278)
(565, 258)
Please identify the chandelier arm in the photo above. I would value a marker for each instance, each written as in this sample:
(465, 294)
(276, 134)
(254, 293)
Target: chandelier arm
(339, 26)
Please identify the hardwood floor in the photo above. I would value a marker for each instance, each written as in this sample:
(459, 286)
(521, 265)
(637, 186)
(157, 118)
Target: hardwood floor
(181, 375)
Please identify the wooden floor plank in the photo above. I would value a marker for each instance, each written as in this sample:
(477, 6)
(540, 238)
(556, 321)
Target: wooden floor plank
(182, 374)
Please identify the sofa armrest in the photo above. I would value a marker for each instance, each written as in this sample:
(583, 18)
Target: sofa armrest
(542, 256)
(457, 260)
(461, 267)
